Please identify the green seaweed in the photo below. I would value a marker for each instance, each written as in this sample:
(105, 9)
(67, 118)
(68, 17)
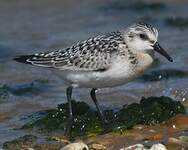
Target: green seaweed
(86, 121)
(42, 81)
(21, 89)
(163, 74)
(3, 92)
(18, 90)
(159, 109)
(24, 89)
(141, 5)
(136, 5)
(57, 118)
(178, 22)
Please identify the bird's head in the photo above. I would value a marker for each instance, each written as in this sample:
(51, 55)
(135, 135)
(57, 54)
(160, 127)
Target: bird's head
(143, 37)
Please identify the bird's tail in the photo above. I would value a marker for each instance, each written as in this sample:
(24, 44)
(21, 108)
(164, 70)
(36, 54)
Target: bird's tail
(23, 59)
(36, 60)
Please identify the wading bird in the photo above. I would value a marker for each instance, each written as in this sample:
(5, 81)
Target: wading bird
(103, 61)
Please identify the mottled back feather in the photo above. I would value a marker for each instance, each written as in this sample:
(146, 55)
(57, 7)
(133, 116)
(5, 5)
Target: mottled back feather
(89, 55)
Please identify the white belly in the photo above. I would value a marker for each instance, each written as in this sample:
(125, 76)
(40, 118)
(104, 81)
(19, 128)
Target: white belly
(117, 74)
(120, 72)
(100, 79)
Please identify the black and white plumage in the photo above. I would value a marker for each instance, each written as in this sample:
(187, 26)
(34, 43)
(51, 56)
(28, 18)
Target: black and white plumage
(79, 64)
(89, 55)
(104, 61)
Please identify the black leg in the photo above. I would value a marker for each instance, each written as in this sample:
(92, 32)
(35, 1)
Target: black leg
(70, 120)
(93, 96)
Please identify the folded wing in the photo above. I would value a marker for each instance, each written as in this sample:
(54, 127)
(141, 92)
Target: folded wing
(92, 54)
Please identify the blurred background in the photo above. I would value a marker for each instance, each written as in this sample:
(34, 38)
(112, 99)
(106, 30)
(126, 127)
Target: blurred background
(29, 26)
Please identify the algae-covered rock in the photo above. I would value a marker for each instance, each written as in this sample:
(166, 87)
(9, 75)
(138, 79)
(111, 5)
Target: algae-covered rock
(151, 110)
(178, 22)
(159, 109)
(86, 121)
(128, 116)
(24, 142)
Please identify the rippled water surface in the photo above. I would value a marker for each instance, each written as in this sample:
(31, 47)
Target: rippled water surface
(27, 27)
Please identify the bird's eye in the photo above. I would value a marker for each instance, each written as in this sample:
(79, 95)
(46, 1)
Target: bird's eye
(143, 36)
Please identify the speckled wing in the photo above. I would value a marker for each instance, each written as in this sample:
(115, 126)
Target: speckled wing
(89, 55)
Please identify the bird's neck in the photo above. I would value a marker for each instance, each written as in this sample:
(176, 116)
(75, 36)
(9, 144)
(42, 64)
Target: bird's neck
(140, 60)
(144, 62)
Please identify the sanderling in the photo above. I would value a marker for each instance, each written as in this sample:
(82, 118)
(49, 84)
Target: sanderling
(103, 61)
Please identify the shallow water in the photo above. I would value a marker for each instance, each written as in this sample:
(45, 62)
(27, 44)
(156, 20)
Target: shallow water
(27, 27)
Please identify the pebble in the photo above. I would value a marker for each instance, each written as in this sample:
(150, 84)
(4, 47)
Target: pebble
(96, 146)
(152, 131)
(174, 140)
(158, 147)
(134, 147)
(138, 127)
(30, 148)
(183, 138)
(141, 147)
(75, 146)
(59, 139)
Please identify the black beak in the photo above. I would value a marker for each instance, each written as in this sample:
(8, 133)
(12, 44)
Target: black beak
(161, 51)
